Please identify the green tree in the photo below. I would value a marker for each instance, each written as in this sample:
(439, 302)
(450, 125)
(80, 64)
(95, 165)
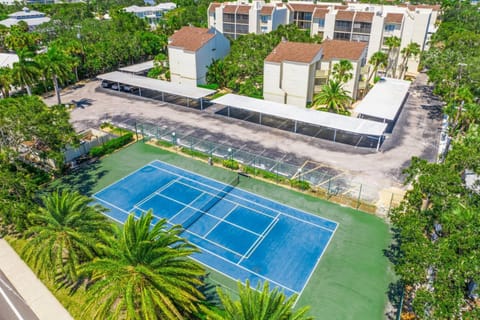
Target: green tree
(63, 234)
(259, 304)
(410, 51)
(378, 60)
(145, 273)
(393, 43)
(342, 71)
(6, 81)
(333, 97)
(56, 65)
(26, 71)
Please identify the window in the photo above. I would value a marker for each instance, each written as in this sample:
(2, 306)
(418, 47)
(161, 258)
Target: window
(343, 25)
(321, 23)
(264, 29)
(389, 27)
(341, 36)
(264, 19)
(243, 29)
(228, 17)
(360, 37)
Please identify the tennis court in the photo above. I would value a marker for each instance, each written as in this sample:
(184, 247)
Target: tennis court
(240, 234)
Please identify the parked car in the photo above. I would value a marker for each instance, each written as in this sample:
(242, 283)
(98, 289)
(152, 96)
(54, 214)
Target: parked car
(116, 86)
(106, 84)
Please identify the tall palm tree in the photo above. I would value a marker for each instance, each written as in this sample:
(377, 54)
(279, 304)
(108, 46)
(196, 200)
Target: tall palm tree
(6, 81)
(333, 96)
(378, 60)
(63, 234)
(56, 65)
(410, 51)
(26, 71)
(342, 71)
(258, 304)
(145, 273)
(393, 43)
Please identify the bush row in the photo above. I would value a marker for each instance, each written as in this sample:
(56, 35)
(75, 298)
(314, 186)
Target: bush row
(111, 145)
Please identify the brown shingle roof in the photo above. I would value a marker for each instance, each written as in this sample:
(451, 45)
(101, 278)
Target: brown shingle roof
(302, 7)
(345, 15)
(394, 18)
(341, 7)
(243, 9)
(266, 10)
(229, 9)
(190, 38)
(363, 16)
(213, 6)
(294, 51)
(320, 13)
(338, 49)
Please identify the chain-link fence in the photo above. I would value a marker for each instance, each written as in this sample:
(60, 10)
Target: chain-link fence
(322, 180)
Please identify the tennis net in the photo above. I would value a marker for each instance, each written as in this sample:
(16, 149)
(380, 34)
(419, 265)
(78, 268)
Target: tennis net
(211, 203)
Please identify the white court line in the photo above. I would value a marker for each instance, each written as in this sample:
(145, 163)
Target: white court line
(10, 304)
(220, 220)
(247, 200)
(316, 265)
(208, 214)
(154, 193)
(184, 205)
(260, 239)
(241, 267)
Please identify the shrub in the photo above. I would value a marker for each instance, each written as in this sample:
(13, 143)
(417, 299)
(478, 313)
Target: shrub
(163, 143)
(300, 184)
(212, 86)
(231, 164)
(111, 145)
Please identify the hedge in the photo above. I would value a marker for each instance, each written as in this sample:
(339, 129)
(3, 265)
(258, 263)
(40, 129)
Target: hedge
(111, 145)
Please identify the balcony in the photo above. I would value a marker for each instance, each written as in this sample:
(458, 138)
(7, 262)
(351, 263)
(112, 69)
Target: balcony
(321, 74)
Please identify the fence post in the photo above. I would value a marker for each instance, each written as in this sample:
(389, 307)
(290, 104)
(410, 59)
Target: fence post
(359, 195)
(390, 205)
(136, 132)
(276, 172)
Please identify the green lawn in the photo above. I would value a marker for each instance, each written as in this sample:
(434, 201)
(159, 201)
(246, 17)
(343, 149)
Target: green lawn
(352, 277)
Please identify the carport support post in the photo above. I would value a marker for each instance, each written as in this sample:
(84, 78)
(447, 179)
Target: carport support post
(163, 97)
(295, 129)
(260, 118)
(140, 92)
(378, 143)
(334, 135)
(228, 111)
(201, 103)
(188, 102)
(118, 86)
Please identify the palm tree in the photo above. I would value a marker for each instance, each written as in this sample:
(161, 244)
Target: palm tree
(333, 96)
(56, 65)
(378, 60)
(63, 234)
(393, 43)
(5, 81)
(342, 71)
(145, 273)
(26, 71)
(258, 304)
(412, 50)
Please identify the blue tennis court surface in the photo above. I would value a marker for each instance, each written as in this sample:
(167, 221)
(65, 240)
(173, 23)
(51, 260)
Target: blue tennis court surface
(241, 235)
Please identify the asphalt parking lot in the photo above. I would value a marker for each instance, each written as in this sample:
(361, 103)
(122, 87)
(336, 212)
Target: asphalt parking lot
(416, 133)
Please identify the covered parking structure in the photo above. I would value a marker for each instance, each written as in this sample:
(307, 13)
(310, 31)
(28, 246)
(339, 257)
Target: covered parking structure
(139, 68)
(183, 95)
(384, 102)
(325, 125)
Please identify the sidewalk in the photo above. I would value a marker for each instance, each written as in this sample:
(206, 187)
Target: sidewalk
(36, 295)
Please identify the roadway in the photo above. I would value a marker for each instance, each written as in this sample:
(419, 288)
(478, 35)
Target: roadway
(12, 305)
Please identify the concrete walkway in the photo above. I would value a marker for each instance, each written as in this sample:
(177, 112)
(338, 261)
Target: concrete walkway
(34, 293)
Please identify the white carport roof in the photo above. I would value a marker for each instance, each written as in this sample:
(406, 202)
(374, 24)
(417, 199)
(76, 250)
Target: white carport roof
(156, 85)
(314, 117)
(139, 67)
(385, 99)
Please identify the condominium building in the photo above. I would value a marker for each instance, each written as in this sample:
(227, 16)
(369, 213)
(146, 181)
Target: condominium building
(333, 52)
(294, 72)
(191, 50)
(289, 73)
(360, 22)
(152, 14)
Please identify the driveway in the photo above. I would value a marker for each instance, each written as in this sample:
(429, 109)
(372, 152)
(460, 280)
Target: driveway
(416, 134)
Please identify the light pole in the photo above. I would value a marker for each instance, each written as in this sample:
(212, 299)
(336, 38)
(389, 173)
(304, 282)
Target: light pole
(230, 156)
(174, 138)
(299, 174)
